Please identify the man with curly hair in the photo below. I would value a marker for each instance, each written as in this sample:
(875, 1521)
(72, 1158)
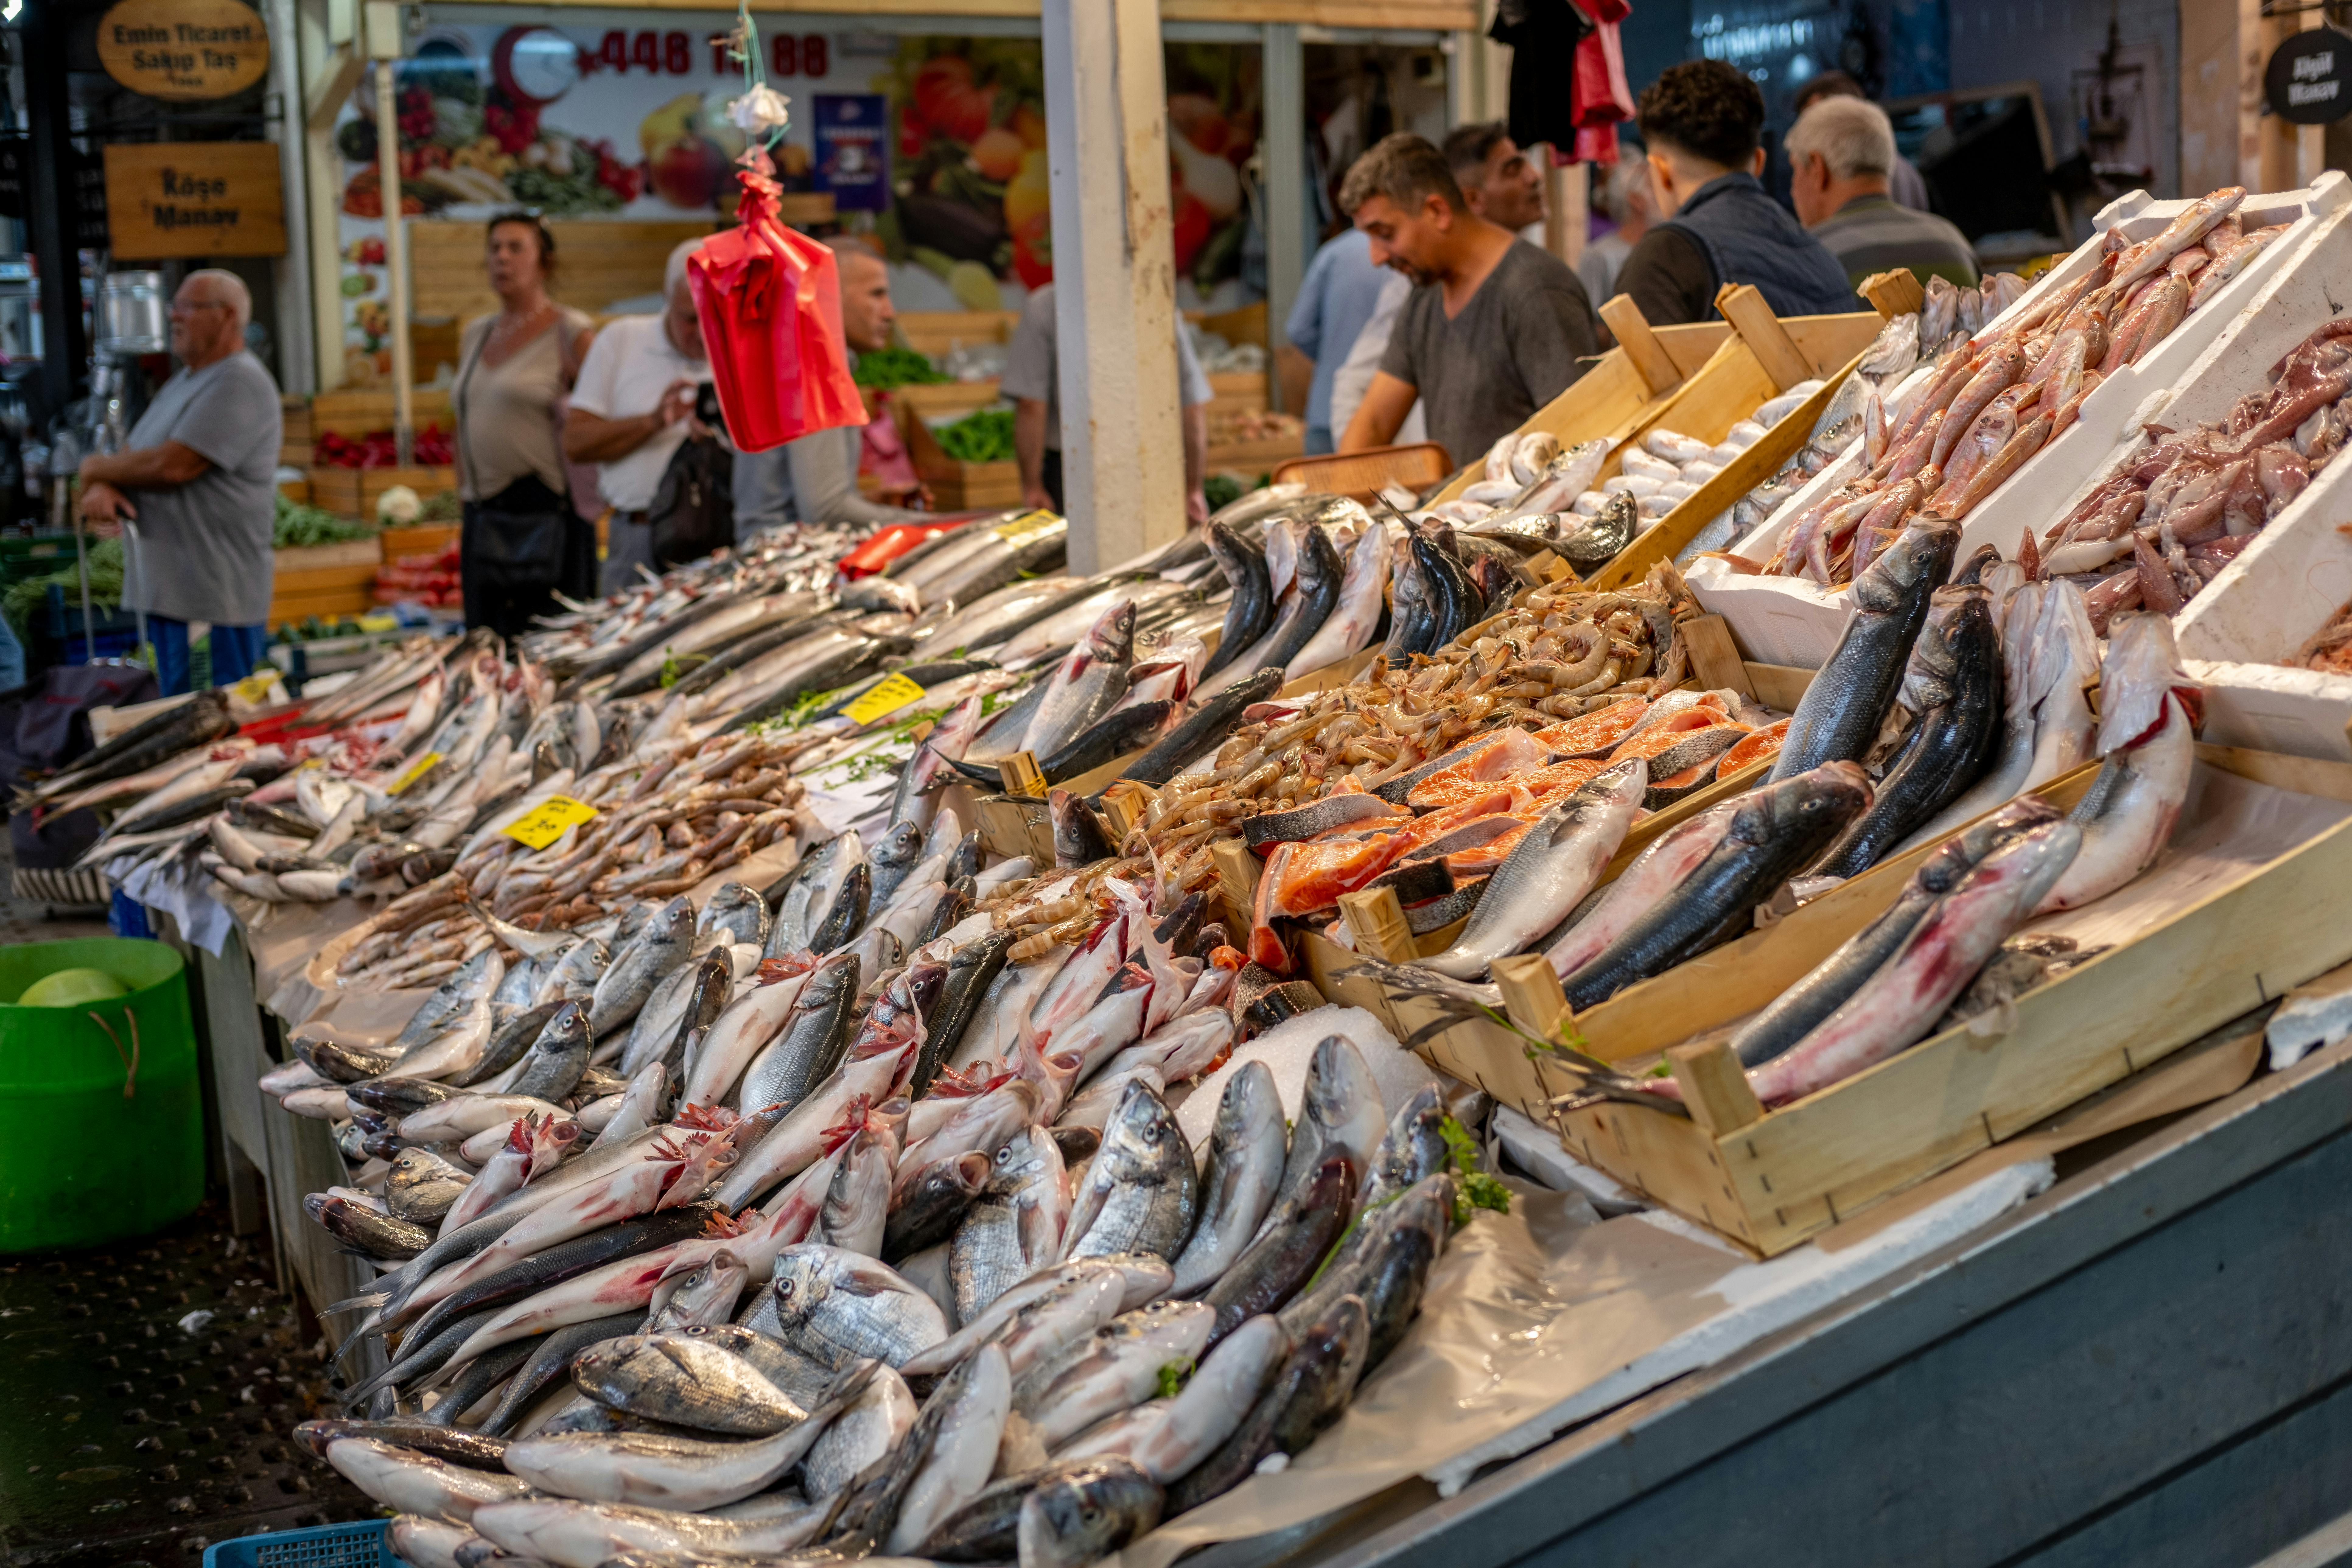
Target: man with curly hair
(1494, 327)
(1702, 121)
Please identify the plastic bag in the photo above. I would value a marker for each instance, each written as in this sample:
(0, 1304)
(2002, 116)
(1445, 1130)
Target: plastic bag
(770, 300)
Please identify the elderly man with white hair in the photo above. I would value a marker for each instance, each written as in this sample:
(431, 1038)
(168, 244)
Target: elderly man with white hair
(1842, 158)
(197, 485)
(633, 408)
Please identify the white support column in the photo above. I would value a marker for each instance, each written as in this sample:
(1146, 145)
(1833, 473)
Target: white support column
(1115, 278)
(1287, 245)
(297, 359)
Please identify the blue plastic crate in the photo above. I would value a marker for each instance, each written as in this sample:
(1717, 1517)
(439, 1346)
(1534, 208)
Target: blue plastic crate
(367, 1544)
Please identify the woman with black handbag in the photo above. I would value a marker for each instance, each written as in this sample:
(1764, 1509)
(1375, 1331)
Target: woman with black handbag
(521, 542)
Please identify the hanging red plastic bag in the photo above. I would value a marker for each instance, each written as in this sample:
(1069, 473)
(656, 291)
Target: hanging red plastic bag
(770, 300)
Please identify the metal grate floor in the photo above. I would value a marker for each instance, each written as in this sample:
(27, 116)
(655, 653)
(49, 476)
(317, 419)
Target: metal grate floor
(127, 1439)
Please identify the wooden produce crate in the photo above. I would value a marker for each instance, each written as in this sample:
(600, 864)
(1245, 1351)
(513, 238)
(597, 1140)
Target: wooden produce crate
(423, 540)
(2240, 930)
(1239, 391)
(353, 492)
(324, 580)
(361, 412)
(599, 262)
(956, 485)
(938, 332)
(294, 413)
(295, 490)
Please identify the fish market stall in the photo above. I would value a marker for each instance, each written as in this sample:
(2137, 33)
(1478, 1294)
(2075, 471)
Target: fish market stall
(715, 1143)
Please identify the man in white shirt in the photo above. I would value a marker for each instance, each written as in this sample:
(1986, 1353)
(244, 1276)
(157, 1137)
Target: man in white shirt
(632, 410)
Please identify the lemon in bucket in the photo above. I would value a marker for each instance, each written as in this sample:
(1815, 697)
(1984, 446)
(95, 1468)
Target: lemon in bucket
(72, 988)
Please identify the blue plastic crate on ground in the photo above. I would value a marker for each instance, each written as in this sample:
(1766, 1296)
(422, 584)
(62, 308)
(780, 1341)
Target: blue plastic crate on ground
(367, 1544)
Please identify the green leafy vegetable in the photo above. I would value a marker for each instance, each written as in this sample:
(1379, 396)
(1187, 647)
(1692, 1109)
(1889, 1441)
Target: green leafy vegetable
(983, 436)
(890, 367)
(23, 599)
(297, 526)
(1478, 1189)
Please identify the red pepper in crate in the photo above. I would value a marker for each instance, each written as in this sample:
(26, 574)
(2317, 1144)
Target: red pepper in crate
(770, 300)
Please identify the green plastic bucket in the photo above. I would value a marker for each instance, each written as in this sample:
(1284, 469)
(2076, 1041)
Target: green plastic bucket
(81, 1161)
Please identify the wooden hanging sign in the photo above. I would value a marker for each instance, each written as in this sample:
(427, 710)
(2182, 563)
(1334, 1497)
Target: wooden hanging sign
(172, 200)
(184, 50)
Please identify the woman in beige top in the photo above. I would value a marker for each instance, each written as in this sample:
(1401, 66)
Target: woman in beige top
(522, 541)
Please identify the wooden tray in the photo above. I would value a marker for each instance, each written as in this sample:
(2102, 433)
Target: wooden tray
(1780, 1176)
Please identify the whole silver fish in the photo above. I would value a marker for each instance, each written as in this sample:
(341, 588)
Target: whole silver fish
(869, 1427)
(857, 1203)
(734, 914)
(1549, 871)
(1138, 1195)
(1340, 1112)
(666, 942)
(479, 977)
(1247, 1151)
(573, 974)
(669, 1471)
(1086, 1513)
(1015, 1227)
(1900, 1004)
(1113, 1369)
(687, 1383)
(835, 1307)
(1086, 685)
(953, 1450)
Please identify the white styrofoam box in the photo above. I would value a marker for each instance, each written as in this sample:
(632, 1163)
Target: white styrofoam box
(1787, 620)
(2270, 708)
(2268, 601)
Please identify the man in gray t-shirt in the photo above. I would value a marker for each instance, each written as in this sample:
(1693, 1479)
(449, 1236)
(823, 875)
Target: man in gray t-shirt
(1494, 327)
(196, 486)
(1033, 380)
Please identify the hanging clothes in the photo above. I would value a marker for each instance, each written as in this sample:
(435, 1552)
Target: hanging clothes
(1601, 97)
(1541, 33)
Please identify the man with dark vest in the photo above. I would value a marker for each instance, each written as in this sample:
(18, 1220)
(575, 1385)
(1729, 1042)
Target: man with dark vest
(1701, 121)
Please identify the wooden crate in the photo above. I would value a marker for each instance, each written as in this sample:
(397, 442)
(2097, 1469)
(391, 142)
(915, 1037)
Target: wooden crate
(353, 492)
(1255, 457)
(422, 539)
(599, 262)
(365, 411)
(955, 486)
(1239, 391)
(1730, 388)
(938, 333)
(1791, 1172)
(325, 580)
(296, 490)
(294, 413)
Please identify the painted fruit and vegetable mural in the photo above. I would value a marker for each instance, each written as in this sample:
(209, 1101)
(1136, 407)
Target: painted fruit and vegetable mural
(587, 122)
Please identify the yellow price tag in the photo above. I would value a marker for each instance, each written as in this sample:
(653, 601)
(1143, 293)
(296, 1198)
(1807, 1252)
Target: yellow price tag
(886, 695)
(381, 621)
(256, 688)
(1028, 525)
(548, 821)
(416, 770)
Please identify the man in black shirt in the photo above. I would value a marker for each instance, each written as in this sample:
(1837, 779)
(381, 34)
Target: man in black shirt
(1702, 120)
(1494, 327)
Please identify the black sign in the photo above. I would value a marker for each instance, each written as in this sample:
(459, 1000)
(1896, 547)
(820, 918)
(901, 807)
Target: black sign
(2309, 80)
(85, 176)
